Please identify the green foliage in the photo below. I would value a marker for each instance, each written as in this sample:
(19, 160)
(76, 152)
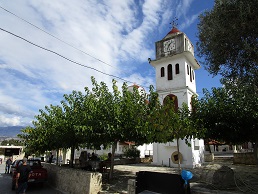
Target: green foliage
(228, 38)
(132, 152)
(228, 41)
(12, 142)
(103, 157)
(31, 140)
(168, 123)
(230, 113)
(104, 117)
(90, 119)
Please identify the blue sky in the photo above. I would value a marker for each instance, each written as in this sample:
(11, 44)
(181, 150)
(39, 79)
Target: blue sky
(115, 37)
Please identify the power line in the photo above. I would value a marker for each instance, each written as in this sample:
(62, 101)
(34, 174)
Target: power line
(66, 58)
(61, 39)
(55, 37)
(64, 43)
(70, 60)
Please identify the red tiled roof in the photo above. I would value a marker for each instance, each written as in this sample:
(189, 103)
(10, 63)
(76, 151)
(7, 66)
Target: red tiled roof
(174, 30)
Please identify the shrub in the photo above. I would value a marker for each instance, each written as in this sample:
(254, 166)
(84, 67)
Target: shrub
(132, 152)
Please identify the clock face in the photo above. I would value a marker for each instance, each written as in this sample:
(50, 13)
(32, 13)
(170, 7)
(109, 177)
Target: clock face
(169, 45)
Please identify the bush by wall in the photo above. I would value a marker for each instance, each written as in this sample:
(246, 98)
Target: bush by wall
(132, 152)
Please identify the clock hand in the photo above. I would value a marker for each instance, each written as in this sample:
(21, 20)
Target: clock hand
(169, 44)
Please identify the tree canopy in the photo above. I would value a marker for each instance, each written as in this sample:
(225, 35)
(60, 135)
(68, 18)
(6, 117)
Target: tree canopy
(90, 119)
(14, 142)
(228, 39)
(229, 113)
(104, 117)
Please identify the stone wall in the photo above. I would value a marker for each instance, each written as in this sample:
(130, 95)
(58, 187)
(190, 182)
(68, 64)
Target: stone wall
(220, 176)
(131, 186)
(244, 158)
(74, 181)
(208, 157)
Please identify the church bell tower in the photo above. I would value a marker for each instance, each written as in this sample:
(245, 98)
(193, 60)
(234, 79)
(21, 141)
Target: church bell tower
(175, 67)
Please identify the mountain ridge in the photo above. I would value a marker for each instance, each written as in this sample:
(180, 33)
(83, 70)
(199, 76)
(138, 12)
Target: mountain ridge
(10, 131)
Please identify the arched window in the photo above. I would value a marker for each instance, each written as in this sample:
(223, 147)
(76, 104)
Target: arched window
(162, 72)
(173, 98)
(193, 74)
(193, 103)
(187, 70)
(177, 68)
(190, 74)
(170, 73)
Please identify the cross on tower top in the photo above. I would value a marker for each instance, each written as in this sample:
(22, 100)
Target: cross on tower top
(174, 22)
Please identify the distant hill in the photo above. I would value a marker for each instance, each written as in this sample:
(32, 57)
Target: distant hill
(10, 131)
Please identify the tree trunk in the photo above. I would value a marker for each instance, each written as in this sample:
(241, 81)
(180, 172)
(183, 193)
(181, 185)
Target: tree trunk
(110, 176)
(72, 157)
(64, 155)
(256, 151)
(209, 148)
(179, 166)
(57, 156)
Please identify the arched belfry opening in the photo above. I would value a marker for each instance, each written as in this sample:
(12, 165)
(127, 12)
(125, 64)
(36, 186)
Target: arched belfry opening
(172, 98)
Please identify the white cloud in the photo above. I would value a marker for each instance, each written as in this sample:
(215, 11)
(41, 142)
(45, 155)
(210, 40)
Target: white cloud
(118, 33)
(189, 21)
(13, 121)
(182, 7)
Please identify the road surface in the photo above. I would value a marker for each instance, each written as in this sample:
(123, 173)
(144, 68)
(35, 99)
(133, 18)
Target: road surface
(6, 180)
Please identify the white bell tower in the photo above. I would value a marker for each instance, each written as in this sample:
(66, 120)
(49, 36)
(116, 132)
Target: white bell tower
(175, 66)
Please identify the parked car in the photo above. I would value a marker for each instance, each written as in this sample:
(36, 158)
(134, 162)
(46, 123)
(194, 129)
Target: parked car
(38, 174)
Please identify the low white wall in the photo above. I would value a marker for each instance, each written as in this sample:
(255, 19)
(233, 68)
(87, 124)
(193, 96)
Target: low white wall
(75, 181)
(193, 156)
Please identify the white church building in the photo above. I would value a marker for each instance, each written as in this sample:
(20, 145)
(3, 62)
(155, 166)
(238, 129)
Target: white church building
(175, 67)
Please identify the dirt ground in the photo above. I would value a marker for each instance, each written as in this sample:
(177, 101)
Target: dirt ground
(119, 182)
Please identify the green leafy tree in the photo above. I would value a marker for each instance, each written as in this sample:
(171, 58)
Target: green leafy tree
(72, 106)
(132, 152)
(118, 116)
(95, 118)
(134, 113)
(78, 128)
(228, 39)
(230, 113)
(169, 123)
(59, 126)
(231, 50)
(14, 142)
(30, 137)
(46, 133)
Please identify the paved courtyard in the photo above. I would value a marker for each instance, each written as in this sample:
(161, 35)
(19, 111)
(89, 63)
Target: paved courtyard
(245, 178)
